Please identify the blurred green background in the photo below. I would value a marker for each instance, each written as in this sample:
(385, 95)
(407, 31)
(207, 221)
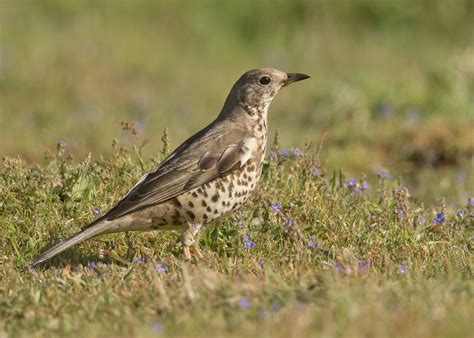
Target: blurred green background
(392, 81)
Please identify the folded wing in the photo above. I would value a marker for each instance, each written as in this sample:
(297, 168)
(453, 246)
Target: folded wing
(208, 155)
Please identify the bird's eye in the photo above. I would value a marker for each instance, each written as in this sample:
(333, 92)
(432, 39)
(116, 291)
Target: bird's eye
(264, 80)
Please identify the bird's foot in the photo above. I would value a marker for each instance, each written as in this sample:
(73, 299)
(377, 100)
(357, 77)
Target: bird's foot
(188, 241)
(197, 251)
(187, 254)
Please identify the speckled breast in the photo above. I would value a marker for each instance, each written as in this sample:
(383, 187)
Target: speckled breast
(214, 199)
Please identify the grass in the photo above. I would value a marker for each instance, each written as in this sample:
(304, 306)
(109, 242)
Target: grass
(374, 233)
(324, 256)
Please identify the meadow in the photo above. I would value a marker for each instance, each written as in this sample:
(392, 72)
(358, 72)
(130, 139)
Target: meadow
(361, 226)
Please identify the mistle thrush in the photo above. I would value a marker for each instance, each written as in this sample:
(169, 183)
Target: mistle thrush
(209, 175)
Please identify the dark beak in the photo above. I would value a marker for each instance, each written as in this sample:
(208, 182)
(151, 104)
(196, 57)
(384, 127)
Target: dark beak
(294, 77)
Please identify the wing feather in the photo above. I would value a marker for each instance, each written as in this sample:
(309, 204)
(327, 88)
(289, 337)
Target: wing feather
(201, 159)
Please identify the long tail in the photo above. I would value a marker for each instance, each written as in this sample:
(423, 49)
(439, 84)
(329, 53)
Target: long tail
(96, 228)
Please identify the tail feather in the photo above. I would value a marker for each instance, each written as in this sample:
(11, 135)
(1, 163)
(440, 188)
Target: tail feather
(94, 229)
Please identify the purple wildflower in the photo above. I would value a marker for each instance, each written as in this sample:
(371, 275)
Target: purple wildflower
(439, 218)
(244, 303)
(272, 156)
(351, 182)
(32, 270)
(285, 153)
(312, 242)
(249, 244)
(288, 223)
(158, 327)
(402, 268)
(96, 211)
(471, 201)
(460, 213)
(298, 152)
(384, 174)
(338, 266)
(362, 265)
(365, 185)
(161, 267)
(276, 206)
(316, 171)
(138, 260)
(92, 265)
(399, 212)
(421, 220)
(357, 190)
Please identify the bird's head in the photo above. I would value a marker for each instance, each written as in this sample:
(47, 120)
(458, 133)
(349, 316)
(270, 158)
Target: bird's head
(256, 88)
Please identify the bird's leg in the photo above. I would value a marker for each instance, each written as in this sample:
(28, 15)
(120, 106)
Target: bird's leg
(197, 251)
(188, 240)
(187, 255)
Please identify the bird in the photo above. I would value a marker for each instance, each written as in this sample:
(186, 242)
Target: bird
(211, 174)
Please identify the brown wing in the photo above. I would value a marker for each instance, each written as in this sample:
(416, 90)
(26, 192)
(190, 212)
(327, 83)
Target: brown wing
(212, 153)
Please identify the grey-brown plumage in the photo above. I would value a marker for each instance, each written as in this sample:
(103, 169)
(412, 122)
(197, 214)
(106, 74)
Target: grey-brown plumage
(210, 174)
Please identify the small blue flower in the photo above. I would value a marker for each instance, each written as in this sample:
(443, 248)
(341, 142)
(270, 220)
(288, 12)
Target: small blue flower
(351, 182)
(298, 152)
(272, 156)
(249, 244)
(384, 174)
(402, 268)
(421, 220)
(244, 303)
(138, 260)
(439, 218)
(365, 185)
(288, 223)
(312, 242)
(161, 267)
(96, 211)
(285, 153)
(460, 213)
(357, 190)
(157, 327)
(276, 206)
(316, 171)
(92, 265)
(362, 265)
(471, 201)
